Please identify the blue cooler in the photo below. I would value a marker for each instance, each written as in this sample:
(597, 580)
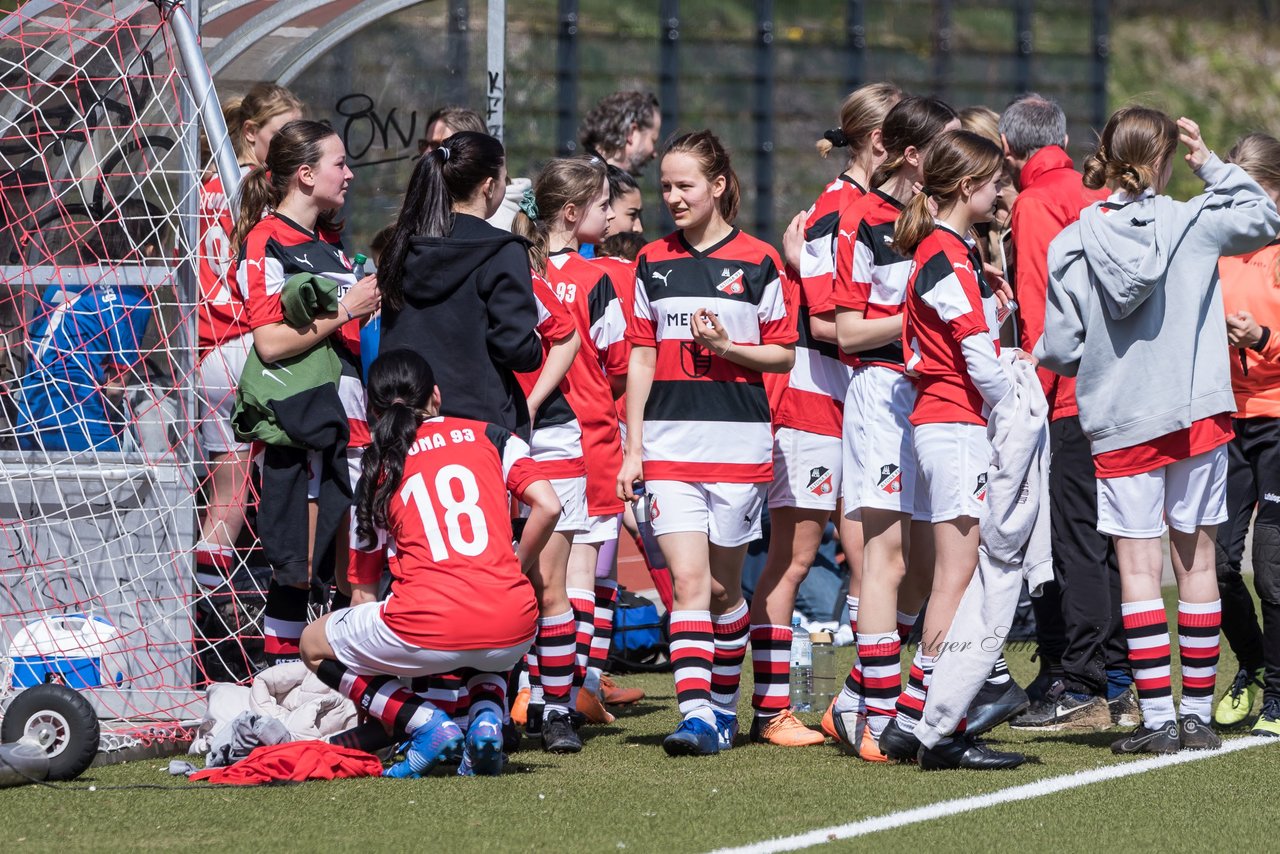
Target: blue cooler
(80, 650)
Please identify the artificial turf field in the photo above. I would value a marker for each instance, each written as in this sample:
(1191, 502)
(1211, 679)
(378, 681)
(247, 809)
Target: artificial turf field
(623, 793)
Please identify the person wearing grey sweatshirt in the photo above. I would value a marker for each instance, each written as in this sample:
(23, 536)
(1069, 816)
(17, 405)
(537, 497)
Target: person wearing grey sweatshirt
(1135, 314)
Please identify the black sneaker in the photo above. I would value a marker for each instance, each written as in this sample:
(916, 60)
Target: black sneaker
(1050, 672)
(510, 736)
(1125, 711)
(1143, 740)
(994, 705)
(558, 734)
(897, 744)
(533, 720)
(1195, 734)
(964, 751)
(1063, 709)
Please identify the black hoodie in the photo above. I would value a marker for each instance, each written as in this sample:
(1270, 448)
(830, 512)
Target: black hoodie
(469, 310)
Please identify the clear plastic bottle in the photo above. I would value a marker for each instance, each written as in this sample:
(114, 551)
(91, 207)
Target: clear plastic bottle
(824, 669)
(801, 668)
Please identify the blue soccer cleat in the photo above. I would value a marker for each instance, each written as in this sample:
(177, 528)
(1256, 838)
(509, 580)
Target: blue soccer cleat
(439, 738)
(726, 729)
(694, 737)
(484, 745)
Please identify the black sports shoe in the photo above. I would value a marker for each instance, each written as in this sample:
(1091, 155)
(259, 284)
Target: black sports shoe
(1143, 740)
(1195, 734)
(994, 705)
(533, 720)
(965, 751)
(1050, 672)
(1063, 709)
(897, 744)
(510, 736)
(558, 734)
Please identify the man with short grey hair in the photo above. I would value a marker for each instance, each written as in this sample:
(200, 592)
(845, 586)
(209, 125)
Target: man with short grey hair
(1082, 627)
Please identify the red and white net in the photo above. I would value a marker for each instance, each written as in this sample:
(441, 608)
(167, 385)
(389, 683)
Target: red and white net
(103, 483)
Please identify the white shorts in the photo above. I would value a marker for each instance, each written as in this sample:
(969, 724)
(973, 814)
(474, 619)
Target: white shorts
(806, 470)
(728, 513)
(879, 459)
(217, 377)
(361, 640)
(572, 492)
(1186, 495)
(953, 460)
(599, 529)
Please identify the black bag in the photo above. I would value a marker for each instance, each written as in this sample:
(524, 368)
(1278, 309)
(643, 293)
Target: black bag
(640, 636)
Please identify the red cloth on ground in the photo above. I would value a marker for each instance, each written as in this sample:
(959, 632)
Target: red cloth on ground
(295, 761)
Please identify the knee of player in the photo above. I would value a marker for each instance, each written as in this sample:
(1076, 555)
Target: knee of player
(1266, 562)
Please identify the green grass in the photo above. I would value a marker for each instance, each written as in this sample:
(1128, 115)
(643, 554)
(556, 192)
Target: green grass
(622, 791)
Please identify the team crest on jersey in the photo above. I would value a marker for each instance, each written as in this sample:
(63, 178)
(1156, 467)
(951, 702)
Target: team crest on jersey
(980, 491)
(695, 361)
(890, 479)
(820, 481)
(731, 282)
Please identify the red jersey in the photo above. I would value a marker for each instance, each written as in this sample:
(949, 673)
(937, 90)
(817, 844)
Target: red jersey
(707, 419)
(556, 441)
(590, 297)
(870, 276)
(456, 581)
(948, 300)
(274, 251)
(623, 275)
(811, 397)
(222, 315)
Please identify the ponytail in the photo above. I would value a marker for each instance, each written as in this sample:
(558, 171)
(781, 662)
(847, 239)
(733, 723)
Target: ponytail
(257, 194)
(914, 224)
(953, 158)
(912, 123)
(1132, 149)
(862, 112)
(563, 181)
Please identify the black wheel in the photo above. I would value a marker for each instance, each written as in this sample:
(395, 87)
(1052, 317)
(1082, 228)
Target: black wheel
(62, 721)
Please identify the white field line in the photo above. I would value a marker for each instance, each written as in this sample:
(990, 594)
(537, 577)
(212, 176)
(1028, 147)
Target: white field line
(959, 806)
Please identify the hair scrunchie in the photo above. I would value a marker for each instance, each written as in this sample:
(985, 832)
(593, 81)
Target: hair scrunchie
(529, 204)
(444, 154)
(836, 137)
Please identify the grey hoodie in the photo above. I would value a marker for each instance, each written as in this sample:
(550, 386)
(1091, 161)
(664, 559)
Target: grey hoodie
(1135, 311)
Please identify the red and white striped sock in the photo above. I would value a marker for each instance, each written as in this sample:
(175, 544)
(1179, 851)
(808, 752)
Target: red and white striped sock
(383, 697)
(906, 622)
(583, 603)
(214, 564)
(442, 690)
(1146, 628)
(606, 601)
(770, 669)
(880, 658)
(283, 619)
(912, 699)
(487, 692)
(693, 650)
(556, 649)
(852, 603)
(850, 698)
(731, 632)
(1198, 626)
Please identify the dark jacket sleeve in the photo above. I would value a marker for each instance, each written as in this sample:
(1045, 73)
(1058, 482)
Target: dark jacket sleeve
(506, 287)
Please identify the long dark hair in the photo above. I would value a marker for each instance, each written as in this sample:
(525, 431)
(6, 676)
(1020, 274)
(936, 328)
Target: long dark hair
(446, 176)
(913, 122)
(399, 390)
(297, 144)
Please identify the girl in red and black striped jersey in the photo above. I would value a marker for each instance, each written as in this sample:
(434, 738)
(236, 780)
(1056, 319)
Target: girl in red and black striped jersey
(807, 420)
(952, 334)
(571, 206)
(224, 333)
(879, 467)
(710, 316)
(433, 505)
(302, 184)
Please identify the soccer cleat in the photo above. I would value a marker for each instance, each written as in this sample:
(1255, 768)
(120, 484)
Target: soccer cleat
(1063, 709)
(1237, 703)
(855, 737)
(484, 745)
(533, 719)
(520, 706)
(1195, 734)
(785, 730)
(1269, 721)
(1143, 740)
(614, 694)
(436, 740)
(898, 745)
(828, 721)
(590, 706)
(964, 751)
(510, 736)
(1124, 710)
(726, 729)
(1050, 672)
(995, 704)
(694, 737)
(558, 734)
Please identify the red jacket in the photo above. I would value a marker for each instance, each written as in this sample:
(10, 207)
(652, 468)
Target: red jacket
(1051, 199)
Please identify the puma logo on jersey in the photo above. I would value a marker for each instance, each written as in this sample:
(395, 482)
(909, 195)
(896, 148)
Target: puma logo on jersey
(662, 276)
(980, 491)
(302, 259)
(732, 282)
(890, 479)
(967, 267)
(820, 481)
(888, 239)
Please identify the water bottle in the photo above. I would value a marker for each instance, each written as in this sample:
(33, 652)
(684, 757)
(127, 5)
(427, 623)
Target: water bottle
(824, 669)
(644, 522)
(371, 332)
(360, 261)
(801, 668)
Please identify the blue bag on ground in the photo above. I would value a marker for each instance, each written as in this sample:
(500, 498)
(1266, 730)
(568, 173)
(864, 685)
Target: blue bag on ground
(640, 635)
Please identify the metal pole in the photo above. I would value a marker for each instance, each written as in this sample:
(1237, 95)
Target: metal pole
(764, 119)
(1024, 45)
(459, 21)
(1101, 50)
(855, 43)
(175, 13)
(941, 48)
(496, 79)
(668, 80)
(567, 79)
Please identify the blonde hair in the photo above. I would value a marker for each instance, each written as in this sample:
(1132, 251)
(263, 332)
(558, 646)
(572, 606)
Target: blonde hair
(862, 112)
(262, 103)
(563, 181)
(713, 159)
(954, 157)
(1132, 149)
(981, 120)
(1258, 154)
